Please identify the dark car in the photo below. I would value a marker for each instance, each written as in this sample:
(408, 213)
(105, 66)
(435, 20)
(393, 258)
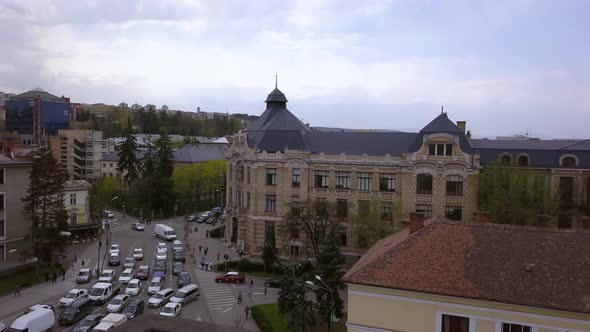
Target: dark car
(134, 309)
(184, 279)
(160, 266)
(273, 282)
(210, 221)
(88, 323)
(114, 260)
(179, 256)
(143, 273)
(177, 268)
(76, 311)
(233, 277)
(192, 218)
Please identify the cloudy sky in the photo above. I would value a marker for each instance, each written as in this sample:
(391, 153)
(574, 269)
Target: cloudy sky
(506, 67)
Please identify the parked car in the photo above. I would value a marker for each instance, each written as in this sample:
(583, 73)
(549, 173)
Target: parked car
(201, 219)
(161, 245)
(88, 323)
(114, 260)
(186, 294)
(107, 276)
(133, 287)
(114, 249)
(161, 255)
(83, 276)
(138, 254)
(192, 218)
(72, 296)
(37, 320)
(143, 272)
(126, 276)
(155, 285)
(134, 309)
(177, 268)
(118, 303)
(179, 256)
(129, 263)
(171, 309)
(216, 211)
(177, 245)
(160, 298)
(137, 226)
(184, 279)
(273, 282)
(210, 220)
(109, 214)
(76, 311)
(232, 277)
(160, 266)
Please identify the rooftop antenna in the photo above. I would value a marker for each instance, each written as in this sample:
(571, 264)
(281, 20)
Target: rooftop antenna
(442, 109)
(276, 80)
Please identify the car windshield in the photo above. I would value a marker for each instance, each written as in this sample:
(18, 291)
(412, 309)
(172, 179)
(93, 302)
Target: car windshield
(83, 273)
(71, 295)
(168, 310)
(68, 314)
(142, 270)
(86, 322)
(116, 301)
(129, 260)
(169, 232)
(106, 275)
(130, 308)
(155, 284)
(126, 274)
(179, 294)
(96, 291)
(158, 296)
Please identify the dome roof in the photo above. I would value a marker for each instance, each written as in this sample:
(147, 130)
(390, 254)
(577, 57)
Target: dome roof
(276, 96)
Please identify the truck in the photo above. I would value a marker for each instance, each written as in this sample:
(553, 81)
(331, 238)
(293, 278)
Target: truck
(164, 232)
(102, 292)
(35, 321)
(110, 321)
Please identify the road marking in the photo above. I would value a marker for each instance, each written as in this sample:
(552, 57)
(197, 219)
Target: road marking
(226, 310)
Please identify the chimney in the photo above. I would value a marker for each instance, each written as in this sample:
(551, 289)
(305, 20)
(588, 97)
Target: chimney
(416, 222)
(462, 125)
(468, 135)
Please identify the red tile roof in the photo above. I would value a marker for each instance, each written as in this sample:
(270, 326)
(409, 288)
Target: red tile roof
(487, 262)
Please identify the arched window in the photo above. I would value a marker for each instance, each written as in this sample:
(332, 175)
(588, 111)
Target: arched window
(568, 162)
(424, 184)
(523, 160)
(506, 160)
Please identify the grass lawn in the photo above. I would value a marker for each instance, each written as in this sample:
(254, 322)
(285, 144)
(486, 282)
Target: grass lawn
(268, 319)
(25, 278)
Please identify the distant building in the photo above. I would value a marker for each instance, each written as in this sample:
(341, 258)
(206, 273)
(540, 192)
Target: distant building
(15, 228)
(150, 107)
(123, 105)
(37, 113)
(79, 152)
(472, 277)
(199, 153)
(99, 110)
(165, 108)
(135, 107)
(76, 203)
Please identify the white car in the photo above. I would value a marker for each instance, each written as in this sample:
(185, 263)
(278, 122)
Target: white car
(138, 254)
(72, 296)
(83, 276)
(133, 287)
(161, 297)
(114, 249)
(162, 245)
(171, 309)
(118, 303)
(161, 255)
(155, 285)
(126, 276)
(129, 263)
(107, 276)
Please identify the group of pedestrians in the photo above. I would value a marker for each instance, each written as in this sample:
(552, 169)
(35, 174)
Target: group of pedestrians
(207, 264)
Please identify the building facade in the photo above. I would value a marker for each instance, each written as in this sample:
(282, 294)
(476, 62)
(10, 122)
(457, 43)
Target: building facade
(75, 196)
(472, 277)
(278, 160)
(79, 152)
(15, 228)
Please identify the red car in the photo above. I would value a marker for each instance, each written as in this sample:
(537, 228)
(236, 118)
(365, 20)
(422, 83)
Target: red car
(143, 272)
(234, 277)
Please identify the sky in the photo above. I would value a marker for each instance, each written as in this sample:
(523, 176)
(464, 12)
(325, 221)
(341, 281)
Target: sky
(505, 67)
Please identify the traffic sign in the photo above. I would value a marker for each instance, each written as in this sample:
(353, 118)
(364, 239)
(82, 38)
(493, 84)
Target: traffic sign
(194, 250)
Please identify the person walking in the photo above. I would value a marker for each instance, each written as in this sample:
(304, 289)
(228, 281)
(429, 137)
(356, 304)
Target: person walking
(17, 290)
(206, 265)
(83, 263)
(205, 250)
(240, 297)
(207, 234)
(218, 256)
(63, 274)
(200, 248)
(54, 277)
(247, 311)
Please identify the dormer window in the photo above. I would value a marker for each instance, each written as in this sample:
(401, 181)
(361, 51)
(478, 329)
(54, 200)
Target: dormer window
(440, 149)
(568, 162)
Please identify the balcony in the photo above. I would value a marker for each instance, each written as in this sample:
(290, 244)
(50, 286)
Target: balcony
(423, 199)
(454, 200)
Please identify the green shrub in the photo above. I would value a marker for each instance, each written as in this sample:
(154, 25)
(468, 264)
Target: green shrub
(268, 318)
(217, 232)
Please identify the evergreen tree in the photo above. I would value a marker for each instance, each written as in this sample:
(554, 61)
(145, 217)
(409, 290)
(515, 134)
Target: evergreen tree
(293, 304)
(128, 164)
(149, 158)
(164, 156)
(330, 267)
(44, 205)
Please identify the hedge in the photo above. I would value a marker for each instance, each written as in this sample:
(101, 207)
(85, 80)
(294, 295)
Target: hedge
(217, 233)
(268, 318)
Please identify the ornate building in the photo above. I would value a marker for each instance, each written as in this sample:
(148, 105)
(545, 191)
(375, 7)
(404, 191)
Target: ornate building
(279, 160)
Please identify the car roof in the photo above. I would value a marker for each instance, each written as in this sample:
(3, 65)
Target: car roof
(188, 287)
(157, 279)
(144, 267)
(135, 301)
(138, 249)
(134, 280)
(171, 304)
(75, 290)
(165, 290)
(120, 296)
(102, 284)
(84, 270)
(233, 273)
(128, 270)
(108, 271)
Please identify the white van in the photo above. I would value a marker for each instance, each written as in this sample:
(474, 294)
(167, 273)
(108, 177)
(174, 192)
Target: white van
(35, 321)
(164, 232)
(186, 294)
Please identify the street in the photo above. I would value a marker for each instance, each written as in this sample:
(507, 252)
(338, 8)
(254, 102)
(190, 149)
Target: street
(217, 302)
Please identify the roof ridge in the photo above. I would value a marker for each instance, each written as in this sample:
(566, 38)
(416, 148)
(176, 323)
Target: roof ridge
(516, 227)
(578, 142)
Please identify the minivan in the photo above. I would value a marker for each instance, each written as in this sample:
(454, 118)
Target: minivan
(186, 294)
(76, 311)
(164, 232)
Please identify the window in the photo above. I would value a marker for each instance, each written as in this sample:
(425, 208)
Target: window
(341, 208)
(271, 176)
(321, 179)
(294, 233)
(2, 230)
(239, 198)
(364, 181)
(104, 165)
(2, 217)
(2, 252)
(364, 207)
(271, 203)
(568, 162)
(2, 170)
(439, 149)
(295, 251)
(506, 160)
(424, 184)
(247, 199)
(111, 165)
(295, 200)
(343, 235)
(321, 207)
(424, 209)
(269, 232)
(342, 180)
(386, 182)
(453, 212)
(454, 185)
(455, 324)
(240, 172)
(387, 212)
(73, 219)
(566, 189)
(249, 175)
(523, 160)
(508, 327)
(295, 177)
(72, 199)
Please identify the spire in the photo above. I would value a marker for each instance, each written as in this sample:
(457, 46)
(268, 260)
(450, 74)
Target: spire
(442, 108)
(276, 80)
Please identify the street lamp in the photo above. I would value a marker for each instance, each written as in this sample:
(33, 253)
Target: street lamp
(327, 288)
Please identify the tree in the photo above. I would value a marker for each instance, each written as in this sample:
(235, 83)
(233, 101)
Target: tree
(128, 164)
(293, 303)
(44, 205)
(315, 219)
(330, 267)
(164, 156)
(149, 158)
(371, 224)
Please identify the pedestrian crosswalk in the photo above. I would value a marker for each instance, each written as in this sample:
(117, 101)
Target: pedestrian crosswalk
(119, 225)
(218, 296)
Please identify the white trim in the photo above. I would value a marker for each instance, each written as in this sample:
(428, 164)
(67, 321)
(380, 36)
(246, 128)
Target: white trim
(474, 308)
(563, 156)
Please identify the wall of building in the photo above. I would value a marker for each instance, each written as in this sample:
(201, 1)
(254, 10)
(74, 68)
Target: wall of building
(79, 152)
(379, 309)
(80, 208)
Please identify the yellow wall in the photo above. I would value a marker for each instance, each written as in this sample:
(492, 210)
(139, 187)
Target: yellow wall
(417, 312)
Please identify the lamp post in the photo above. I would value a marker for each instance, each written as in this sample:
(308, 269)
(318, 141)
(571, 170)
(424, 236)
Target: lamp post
(327, 288)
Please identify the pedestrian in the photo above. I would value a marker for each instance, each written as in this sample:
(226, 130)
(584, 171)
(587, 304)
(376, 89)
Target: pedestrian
(54, 277)
(207, 234)
(200, 248)
(247, 311)
(250, 288)
(211, 265)
(218, 256)
(83, 263)
(205, 250)
(63, 274)
(206, 266)
(75, 258)
(239, 297)
(17, 290)
(47, 277)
